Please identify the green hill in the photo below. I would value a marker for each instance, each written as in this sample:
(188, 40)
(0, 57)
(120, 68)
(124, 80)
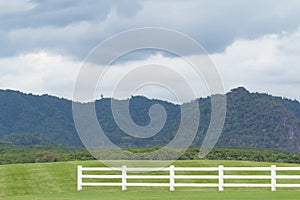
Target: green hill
(253, 120)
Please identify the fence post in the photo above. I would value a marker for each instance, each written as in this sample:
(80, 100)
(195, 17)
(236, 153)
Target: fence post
(273, 177)
(221, 178)
(124, 181)
(172, 178)
(79, 178)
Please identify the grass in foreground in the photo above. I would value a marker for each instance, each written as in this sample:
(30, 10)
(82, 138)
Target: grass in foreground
(158, 195)
(59, 180)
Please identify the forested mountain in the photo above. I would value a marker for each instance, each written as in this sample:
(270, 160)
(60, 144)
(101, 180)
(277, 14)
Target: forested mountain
(253, 120)
(260, 120)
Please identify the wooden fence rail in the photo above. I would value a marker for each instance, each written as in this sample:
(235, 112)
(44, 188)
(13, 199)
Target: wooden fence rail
(173, 180)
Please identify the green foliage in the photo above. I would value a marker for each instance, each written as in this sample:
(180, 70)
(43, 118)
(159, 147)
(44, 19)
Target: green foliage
(47, 156)
(247, 154)
(10, 153)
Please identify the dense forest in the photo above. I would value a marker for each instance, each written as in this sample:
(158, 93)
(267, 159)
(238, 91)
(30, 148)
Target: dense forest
(57, 153)
(253, 120)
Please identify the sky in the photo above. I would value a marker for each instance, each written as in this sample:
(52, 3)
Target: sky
(252, 43)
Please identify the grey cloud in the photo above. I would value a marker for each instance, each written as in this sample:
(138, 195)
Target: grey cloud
(75, 27)
(55, 25)
(62, 13)
(225, 21)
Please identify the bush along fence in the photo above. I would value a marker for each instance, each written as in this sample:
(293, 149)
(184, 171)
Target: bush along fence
(172, 177)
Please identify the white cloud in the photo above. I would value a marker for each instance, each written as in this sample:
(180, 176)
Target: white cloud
(156, 77)
(266, 64)
(166, 78)
(39, 73)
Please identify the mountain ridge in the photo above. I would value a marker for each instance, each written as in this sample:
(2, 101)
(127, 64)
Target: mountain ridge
(253, 120)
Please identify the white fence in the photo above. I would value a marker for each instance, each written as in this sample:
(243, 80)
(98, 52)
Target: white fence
(172, 178)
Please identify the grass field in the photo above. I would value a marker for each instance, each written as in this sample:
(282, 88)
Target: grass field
(158, 195)
(58, 181)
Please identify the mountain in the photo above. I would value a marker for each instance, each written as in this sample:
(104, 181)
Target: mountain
(45, 115)
(260, 120)
(253, 120)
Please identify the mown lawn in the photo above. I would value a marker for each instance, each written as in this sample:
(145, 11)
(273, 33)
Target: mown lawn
(158, 195)
(58, 181)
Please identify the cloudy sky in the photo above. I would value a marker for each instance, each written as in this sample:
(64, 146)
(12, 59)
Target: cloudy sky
(252, 43)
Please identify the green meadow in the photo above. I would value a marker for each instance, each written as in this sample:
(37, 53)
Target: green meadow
(59, 181)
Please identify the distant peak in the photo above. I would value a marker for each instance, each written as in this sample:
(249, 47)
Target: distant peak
(240, 90)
